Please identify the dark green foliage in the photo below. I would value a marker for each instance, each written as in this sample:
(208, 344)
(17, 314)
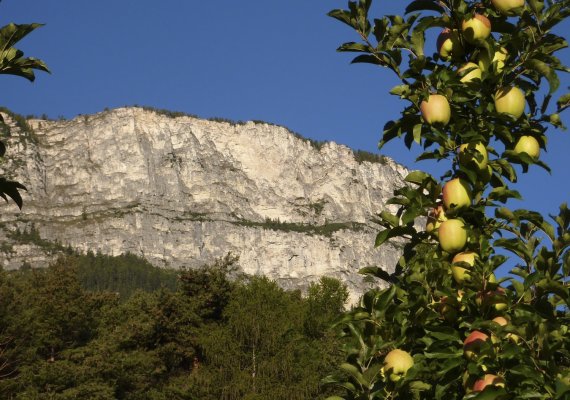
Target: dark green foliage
(323, 230)
(20, 121)
(167, 113)
(365, 156)
(31, 235)
(122, 274)
(212, 338)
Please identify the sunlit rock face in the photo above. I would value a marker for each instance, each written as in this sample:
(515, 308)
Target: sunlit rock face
(183, 191)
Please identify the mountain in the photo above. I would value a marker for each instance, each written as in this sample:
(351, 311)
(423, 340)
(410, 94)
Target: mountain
(183, 191)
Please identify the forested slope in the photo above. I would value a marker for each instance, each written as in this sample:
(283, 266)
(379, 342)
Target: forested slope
(132, 332)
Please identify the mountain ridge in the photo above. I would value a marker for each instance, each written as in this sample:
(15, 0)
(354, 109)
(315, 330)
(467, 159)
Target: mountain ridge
(182, 191)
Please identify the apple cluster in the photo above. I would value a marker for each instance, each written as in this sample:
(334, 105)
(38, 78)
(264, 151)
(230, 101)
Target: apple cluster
(444, 221)
(446, 327)
(508, 100)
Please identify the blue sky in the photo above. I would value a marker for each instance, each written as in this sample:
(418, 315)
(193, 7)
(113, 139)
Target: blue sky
(242, 60)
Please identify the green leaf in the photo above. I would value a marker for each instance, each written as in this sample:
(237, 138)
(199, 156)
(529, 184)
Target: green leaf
(444, 355)
(555, 14)
(11, 59)
(417, 177)
(354, 47)
(502, 194)
(507, 214)
(400, 90)
(390, 218)
(343, 16)
(13, 33)
(377, 272)
(419, 5)
(380, 28)
(562, 389)
(545, 70)
(563, 102)
(417, 41)
(419, 386)
(385, 298)
(418, 133)
(355, 373)
(395, 232)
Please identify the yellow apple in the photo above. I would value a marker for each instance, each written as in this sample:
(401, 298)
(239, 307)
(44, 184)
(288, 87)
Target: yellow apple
(474, 72)
(397, 363)
(452, 235)
(436, 110)
(460, 274)
(529, 145)
(498, 61)
(456, 194)
(501, 321)
(449, 44)
(476, 28)
(508, 7)
(510, 100)
(474, 155)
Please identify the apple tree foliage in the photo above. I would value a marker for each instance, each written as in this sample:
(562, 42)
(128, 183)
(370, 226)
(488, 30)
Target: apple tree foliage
(425, 311)
(13, 62)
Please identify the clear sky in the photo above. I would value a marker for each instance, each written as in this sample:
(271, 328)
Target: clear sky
(243, 60)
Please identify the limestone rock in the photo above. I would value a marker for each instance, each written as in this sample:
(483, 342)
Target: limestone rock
(183, 191)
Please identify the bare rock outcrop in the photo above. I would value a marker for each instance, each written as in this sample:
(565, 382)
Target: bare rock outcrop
(183, 191)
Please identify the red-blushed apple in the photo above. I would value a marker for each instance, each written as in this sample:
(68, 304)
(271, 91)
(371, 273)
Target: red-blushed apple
(436, 110)
(476, 28)
(529, 145)
(461, 274)
(452, 235)
(449, 44)
(469, 72)
(510, 100)
(498, 61)
(397, 363)
(474, 155)
(435, 217)
(473, 343)
(508, 7)
(456, 194)
(488, 380)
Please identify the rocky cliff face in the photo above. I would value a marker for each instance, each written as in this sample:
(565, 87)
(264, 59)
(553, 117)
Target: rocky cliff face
(184, 191)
